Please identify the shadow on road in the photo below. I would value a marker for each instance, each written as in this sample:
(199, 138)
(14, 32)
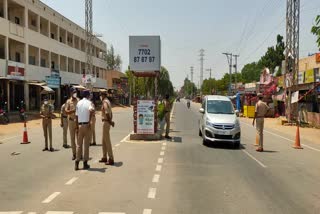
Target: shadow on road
(118, 164)
(222, 145)
(102, 170)
(175, 140)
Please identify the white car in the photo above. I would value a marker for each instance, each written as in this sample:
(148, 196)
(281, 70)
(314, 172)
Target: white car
(219, 121)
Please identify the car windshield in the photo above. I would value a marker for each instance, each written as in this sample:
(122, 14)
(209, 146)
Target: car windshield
(219, 107)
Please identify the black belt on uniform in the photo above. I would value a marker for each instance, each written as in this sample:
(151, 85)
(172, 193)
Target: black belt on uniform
(64, 116)
(71, 119)
(85, 123)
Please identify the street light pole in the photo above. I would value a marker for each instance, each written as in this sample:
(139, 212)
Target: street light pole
(229, 58)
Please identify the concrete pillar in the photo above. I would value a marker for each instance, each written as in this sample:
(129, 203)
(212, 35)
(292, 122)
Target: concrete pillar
(67, 64)
(26, 50)
(39, 56)
(58, 104)
(26, 17)
(5, 7)
(74, 66)
(58, 66)
(7, 48)
(8, 95)
(26, 96)
(50, 60)
(38, 23)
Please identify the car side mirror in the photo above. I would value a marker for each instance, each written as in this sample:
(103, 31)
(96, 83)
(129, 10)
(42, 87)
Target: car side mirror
(201, 110)
(237, 112)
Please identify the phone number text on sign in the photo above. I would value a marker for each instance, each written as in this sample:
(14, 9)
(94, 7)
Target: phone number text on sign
(144, 53)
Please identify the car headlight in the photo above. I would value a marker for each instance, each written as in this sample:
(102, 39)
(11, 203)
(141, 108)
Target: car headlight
(208, 123)
(237, 124)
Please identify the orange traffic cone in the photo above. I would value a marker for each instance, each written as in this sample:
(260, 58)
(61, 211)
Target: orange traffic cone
(25, 134)
(297, 142)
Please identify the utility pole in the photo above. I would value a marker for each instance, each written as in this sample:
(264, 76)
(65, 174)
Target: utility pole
(229, 58)
(88, 36)
(191, 68)
(201, 68)
(292, 51)
(209, 71)
(236, 68)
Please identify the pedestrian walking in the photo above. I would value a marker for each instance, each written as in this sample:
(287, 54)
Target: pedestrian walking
(84, 112)
(46, 113)
(93, 124)
(167, 109)
(261, 110)
(106, 113)
(70, 109)
(64, 124)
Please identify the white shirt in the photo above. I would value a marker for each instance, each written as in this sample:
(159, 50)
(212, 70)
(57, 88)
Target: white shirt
(83, 109)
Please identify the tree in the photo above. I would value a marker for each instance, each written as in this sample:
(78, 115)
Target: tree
(316, 29)
(188, 88)
(113, 61)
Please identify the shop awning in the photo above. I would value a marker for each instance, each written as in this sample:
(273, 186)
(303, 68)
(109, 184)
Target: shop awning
(47, 89)
(37, 83)
(80, 87)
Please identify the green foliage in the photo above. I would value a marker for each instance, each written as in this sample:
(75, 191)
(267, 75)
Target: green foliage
(144, 85)
(316, 29)
(188, 88)
(113, 61)
(251, 72)
(161, 111)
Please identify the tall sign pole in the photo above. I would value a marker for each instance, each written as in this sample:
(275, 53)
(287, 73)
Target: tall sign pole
(89, 37)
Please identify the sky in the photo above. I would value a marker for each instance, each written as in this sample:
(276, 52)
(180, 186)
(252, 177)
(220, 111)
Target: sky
(246, 28)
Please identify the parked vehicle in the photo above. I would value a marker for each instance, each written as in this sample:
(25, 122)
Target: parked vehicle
(4, 119)
(219, 121)
(22, 112)
(178, 99)
(188, 103)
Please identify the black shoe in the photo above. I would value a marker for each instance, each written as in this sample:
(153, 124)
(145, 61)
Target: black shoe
(103, 160)
(110, 162)
(86, 165)
(73, 157)
(66, 146)
(51, 149)
(93, 144)
(76, 165)
(45, 149)
(168, 137)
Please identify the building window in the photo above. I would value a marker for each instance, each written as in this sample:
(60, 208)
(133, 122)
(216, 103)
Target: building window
(17, 20)
(2, 53)
(18, 57)
(60, 39)
(1, 13)
(53, 65)
(32, 60)
(52, 36)
(43, 63)
(98, 74)
(33, 23)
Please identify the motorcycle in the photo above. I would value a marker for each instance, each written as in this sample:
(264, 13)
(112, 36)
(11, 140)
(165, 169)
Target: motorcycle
(4, 119)
(188, 104)
(22, 112)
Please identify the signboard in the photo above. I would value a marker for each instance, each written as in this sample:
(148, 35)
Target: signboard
(318, 57)
(309, 76)
(295, 97)
(16, 70)
(53, 82)
(144, 53)
(55, 73)
(301, 77)
(145, 116)
(317, 74)
(88, 79)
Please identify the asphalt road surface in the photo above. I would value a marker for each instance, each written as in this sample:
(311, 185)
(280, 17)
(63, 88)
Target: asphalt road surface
(178, 176)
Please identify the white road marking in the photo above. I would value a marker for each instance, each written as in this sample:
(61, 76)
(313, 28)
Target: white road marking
(163, 148)
(160, 160)
(32, 213)
(117, 145)
(51, 197)
(310, 147)
(152, 193)
(162, 153)
(164, 144)
(8, 138)
(59, 212)
(125, 138)
(158, 168)
(156, 178)
(12, 212)
(147, 211)
(259, 162)
(110, 213)
(172, 110)
(72, 180)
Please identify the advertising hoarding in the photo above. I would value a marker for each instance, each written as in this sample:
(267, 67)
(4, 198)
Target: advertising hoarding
(144, 53)
(145, 116)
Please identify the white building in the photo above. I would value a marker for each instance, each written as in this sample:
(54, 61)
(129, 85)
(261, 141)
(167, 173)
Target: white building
(34, 40)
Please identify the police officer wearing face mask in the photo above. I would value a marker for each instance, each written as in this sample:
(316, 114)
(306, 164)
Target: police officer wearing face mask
(70, 109)
(46, 114)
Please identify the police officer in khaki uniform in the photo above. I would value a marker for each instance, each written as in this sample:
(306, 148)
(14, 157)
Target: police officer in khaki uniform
(64, 124)
(93, 124)
(261, 110)
(84, 112)
(46, 114)
(71, 111)
(167, 109)
(106, 114)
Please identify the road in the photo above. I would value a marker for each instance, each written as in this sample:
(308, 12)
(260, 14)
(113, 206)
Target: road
(178, 176)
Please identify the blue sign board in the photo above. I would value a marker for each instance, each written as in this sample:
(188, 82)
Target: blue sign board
(53, 82)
